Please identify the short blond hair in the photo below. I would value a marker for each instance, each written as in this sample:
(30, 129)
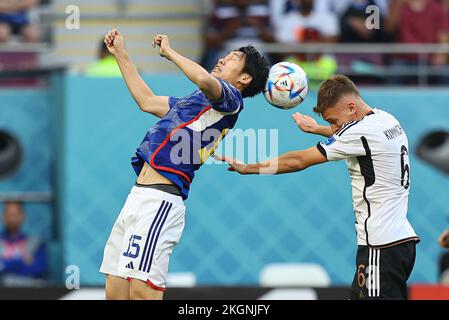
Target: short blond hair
(332, 89)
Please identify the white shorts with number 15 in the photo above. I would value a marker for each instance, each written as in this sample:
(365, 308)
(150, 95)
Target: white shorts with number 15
(143, 236)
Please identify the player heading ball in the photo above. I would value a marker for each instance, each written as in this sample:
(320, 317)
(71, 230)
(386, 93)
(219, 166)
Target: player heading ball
(375, 148)
(151, 223)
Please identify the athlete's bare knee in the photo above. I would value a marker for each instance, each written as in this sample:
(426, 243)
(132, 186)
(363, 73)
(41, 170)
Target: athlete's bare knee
(139, 290)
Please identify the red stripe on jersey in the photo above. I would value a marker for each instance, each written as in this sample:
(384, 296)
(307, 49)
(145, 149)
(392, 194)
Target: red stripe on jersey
(162, 168)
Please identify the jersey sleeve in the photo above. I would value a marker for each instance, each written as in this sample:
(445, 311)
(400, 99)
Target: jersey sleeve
(172, 101)
(343, 145)
(230, 101)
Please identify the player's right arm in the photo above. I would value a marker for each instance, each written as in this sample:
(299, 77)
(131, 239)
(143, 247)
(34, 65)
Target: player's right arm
(348, 144)
(142, 94)
(309, 125)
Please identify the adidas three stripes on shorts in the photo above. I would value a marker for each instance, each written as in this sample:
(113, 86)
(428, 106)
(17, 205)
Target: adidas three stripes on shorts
(143, 236)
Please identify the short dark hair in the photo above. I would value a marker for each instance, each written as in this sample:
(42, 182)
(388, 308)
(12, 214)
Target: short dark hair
(332, 89)
(257, 67)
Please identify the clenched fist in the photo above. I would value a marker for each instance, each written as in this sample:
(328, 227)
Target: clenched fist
(114, 42)
(161, 40)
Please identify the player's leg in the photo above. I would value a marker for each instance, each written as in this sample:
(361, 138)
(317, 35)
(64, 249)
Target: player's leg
(140, 290)
(371, 278)
(152, 231)
(383, 273)
(358, 288)
(116, 288)
(395, 266)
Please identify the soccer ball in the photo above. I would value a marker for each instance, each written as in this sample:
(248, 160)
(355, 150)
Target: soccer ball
(287, 85)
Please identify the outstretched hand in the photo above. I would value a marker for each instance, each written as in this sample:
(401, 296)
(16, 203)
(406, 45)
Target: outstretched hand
(234, 164)
(305, 123)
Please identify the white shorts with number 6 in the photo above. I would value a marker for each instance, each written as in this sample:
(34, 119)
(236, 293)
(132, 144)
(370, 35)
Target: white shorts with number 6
(143, 236)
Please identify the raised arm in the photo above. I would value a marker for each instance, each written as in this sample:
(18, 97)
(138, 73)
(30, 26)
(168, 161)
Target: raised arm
(142, 94)
(196, 73)
(309, 125)
(292, 161)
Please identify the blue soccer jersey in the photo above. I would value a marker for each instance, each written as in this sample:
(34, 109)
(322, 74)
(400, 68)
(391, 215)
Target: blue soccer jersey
(188, 134)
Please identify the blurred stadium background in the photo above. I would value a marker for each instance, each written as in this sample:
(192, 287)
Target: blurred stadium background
(68, 128)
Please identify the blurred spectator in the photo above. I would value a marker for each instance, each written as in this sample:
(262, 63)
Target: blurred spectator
(354, 30)
(14, 20)
(23, 260)
(280, 7)
(105, 66)
(304, 24)
(445, 4)
(341, 6)
(444, 259)
(235, 23)
(419, 22)
(353, 24)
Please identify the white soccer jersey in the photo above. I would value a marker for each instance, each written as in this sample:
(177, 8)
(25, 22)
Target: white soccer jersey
(376, 152)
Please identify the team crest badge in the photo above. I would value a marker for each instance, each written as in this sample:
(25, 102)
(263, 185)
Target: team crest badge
(330, 141)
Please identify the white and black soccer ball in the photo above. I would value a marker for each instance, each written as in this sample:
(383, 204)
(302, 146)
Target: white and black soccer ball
(287, 85)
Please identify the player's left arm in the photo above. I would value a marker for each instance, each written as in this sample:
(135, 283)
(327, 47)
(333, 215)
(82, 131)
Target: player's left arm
(309, 125)
(210, 86)
(292, 161)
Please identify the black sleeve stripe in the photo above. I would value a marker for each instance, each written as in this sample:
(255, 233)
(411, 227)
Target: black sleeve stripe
(344, 130)
(321, 149)
(344, 126)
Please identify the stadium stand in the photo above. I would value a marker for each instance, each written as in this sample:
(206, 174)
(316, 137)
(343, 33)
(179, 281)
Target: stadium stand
(138, 20)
